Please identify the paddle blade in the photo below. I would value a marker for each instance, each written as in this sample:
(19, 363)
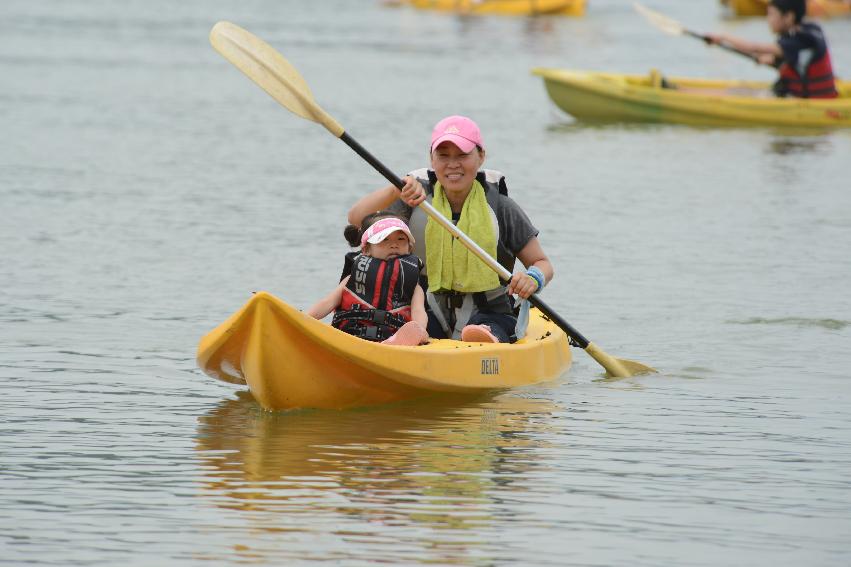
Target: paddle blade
(271, 71)
(617, 367)
(635, 368)
(661, 21)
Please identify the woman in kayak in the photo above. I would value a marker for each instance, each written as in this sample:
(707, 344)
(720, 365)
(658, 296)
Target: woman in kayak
(379, 297)
(800, 53)
(465, 298)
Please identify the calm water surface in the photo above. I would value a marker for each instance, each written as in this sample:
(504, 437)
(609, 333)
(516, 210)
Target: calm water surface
(147, 188)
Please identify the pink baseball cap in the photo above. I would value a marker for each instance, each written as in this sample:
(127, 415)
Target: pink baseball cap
(459, 130)
(380, 230)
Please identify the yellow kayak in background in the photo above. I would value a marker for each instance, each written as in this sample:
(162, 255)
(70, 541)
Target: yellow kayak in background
(613, 97)
(290, 360)
(506, 7)
(815, 8)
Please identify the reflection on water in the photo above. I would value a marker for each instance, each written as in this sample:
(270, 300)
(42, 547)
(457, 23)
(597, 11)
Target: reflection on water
(783, 140)
(817, 142)
(434, 465)
(539, 24)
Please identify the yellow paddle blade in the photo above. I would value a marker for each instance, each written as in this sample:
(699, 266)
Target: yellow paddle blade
(274, 74)
(661, 21)
(617, 367)
(635, 368)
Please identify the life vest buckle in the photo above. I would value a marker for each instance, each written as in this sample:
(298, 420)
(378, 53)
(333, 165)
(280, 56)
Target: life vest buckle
(371, 333)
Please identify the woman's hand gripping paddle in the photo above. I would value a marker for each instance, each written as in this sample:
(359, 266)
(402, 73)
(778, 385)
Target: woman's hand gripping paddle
(275, 75)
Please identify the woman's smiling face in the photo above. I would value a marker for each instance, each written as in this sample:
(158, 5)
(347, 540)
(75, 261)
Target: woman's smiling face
(456, 170)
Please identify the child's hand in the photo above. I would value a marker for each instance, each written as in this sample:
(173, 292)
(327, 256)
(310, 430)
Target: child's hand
(767, 59)
(412, 193)
(713, 38)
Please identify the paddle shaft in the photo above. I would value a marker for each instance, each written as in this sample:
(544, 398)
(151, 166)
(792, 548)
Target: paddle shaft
(673, 27)
(705, 39)
(503, 273)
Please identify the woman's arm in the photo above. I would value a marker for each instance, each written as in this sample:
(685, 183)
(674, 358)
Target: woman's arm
(378, 200)
(328, 303)
(412, 194)
(531, 255)
(418, 312)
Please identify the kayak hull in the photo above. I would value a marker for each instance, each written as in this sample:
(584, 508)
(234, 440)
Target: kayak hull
(611, 97)
(747, 7)
(815, 8)
(290, 360)
(505, 7)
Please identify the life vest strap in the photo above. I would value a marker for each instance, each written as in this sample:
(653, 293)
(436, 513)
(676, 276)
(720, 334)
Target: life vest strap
(369, 324)
(376, 316)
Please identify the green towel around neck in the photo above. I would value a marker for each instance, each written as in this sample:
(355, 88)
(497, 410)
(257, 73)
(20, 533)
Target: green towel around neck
(450, 265)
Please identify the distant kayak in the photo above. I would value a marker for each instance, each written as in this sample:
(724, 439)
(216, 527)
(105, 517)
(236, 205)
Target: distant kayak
(815, 8)
(506, 7)
(612, 97)
(290, 360)
(746, 7)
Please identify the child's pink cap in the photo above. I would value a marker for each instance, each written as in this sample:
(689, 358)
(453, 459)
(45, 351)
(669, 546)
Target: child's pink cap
(459, 130)
(380, 230)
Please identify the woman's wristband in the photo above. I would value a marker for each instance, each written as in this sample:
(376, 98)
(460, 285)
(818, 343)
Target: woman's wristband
(536, 274)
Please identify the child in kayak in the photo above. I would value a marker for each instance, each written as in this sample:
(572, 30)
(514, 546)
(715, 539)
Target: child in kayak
(800, 54)
(379, 297)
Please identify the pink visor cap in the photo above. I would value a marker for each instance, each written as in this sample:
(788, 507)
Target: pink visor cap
(459, 130)
(384, 228)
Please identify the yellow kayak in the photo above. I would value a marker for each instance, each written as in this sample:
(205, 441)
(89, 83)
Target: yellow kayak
(609, 97)
(506, 7)
(290, 360)
(746, 7)
(815, 8)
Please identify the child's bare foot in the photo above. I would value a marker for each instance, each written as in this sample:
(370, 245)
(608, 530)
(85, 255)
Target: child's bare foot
(478, 334)
(409, 334)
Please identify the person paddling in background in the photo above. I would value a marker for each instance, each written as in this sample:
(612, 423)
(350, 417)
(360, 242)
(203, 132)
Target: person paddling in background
(801, 52)
(379, 297)
(465, 298)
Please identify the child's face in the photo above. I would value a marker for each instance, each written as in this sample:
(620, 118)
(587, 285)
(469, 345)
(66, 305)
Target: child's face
(778, 21)
(394, 245)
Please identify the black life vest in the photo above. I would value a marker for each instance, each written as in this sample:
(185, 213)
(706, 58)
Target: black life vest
(377, 297)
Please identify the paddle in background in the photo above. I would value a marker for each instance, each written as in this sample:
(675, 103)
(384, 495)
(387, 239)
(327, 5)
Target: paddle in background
(274, 74)
(673, 27)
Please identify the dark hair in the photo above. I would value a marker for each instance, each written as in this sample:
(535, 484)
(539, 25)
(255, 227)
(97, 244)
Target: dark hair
(799, 7)
(353, 234)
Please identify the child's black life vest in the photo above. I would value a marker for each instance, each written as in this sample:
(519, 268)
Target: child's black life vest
(377, 297)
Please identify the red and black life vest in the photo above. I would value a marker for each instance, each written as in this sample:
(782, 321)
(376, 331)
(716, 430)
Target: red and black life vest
(818, 82)
(801, 76)
(377, 297)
